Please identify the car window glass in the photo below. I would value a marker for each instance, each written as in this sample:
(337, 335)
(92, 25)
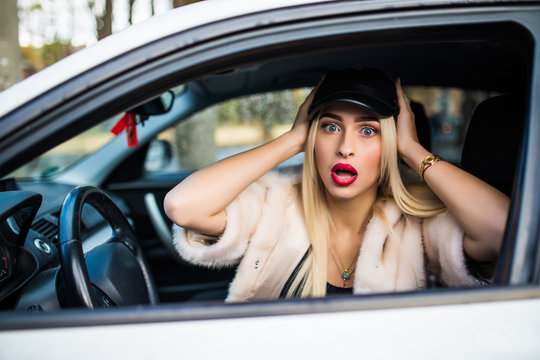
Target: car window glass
(68, 153)
(448, 111)
(223, 130)
(243, 123)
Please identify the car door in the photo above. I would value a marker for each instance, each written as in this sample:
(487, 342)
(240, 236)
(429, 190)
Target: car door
(502, 320)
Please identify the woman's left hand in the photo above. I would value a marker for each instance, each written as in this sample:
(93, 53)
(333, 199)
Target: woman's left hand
(408, 145)
(480, 209)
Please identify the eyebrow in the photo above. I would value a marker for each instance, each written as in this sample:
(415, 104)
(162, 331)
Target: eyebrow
(358, 119)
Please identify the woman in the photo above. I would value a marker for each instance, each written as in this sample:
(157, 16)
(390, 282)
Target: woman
(350, 224)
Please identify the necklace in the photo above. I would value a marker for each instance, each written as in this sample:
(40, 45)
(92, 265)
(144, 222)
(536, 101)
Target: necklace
(347, 271)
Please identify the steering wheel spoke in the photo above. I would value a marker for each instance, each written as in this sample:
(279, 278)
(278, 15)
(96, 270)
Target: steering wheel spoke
(118, 267)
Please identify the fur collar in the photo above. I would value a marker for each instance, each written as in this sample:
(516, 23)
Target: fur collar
(391, 255)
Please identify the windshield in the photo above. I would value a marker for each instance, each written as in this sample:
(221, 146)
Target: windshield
(68, 153)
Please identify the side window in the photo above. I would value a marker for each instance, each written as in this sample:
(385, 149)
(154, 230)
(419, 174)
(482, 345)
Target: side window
(223, 130)
(448, 112)
(239, 124)
(61, 157)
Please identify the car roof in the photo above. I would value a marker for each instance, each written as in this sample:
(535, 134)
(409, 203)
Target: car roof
(165, 25)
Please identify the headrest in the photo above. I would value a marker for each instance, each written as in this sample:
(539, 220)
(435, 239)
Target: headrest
(492, 144)
(423, 128)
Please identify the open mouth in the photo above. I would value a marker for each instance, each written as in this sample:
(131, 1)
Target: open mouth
(344, 174)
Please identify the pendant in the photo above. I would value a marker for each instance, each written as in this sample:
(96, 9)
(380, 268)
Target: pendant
(345, 275)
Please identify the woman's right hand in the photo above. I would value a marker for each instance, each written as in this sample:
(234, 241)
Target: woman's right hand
(199, 202)
(302, 122)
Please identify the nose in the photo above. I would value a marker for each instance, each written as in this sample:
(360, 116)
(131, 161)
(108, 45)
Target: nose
(345, 147)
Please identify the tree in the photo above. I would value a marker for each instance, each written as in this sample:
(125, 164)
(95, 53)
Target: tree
(10, 53)
(103, 19)
(130, 14)
(178, 3)
(195, 140)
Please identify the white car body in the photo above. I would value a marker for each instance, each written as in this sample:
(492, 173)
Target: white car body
(498, 322)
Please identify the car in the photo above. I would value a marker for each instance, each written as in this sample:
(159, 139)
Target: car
(87, 264)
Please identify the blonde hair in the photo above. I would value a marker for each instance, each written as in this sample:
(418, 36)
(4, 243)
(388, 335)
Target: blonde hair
(415, 199)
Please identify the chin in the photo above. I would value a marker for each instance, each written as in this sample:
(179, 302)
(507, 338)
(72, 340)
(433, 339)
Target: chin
(348, 192)
(345, 192)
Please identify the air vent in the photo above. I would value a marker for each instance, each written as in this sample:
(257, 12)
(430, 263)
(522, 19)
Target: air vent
(48, 227)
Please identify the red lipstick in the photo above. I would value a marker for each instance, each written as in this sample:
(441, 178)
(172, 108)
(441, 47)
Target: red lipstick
(344, 174)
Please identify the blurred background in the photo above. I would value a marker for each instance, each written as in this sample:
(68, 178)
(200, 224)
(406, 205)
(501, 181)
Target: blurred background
(36, 33)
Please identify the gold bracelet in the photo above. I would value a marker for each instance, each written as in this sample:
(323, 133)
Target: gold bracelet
(426, 163)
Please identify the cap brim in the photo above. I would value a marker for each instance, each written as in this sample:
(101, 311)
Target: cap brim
(370, 103)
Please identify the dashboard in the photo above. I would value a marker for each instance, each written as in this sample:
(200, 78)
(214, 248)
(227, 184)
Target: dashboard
(18, 264)
(29, 230)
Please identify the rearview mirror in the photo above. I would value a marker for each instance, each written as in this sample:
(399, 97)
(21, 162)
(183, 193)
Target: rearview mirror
(157, 106)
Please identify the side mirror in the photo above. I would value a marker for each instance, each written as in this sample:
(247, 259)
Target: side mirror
(159, 156)
(157, 106)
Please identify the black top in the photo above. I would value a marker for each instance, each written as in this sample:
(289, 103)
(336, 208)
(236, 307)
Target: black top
(330, 289)
(336, 290)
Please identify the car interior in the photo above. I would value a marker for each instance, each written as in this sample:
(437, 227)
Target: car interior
(485, 70)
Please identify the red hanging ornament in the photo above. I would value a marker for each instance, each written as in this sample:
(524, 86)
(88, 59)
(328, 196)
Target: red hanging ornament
(129, 123)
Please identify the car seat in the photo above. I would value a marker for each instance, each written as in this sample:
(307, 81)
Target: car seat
(493, 140)
(423, 129)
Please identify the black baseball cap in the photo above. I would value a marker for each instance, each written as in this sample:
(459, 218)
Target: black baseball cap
(367, 87)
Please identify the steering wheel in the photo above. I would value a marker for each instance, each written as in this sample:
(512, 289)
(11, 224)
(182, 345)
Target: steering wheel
(121, 274)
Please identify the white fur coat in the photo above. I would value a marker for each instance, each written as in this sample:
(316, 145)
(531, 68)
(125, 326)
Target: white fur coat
(266, 235)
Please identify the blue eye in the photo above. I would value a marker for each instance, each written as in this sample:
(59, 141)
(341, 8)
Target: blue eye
(367, 131)
(331, 128)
